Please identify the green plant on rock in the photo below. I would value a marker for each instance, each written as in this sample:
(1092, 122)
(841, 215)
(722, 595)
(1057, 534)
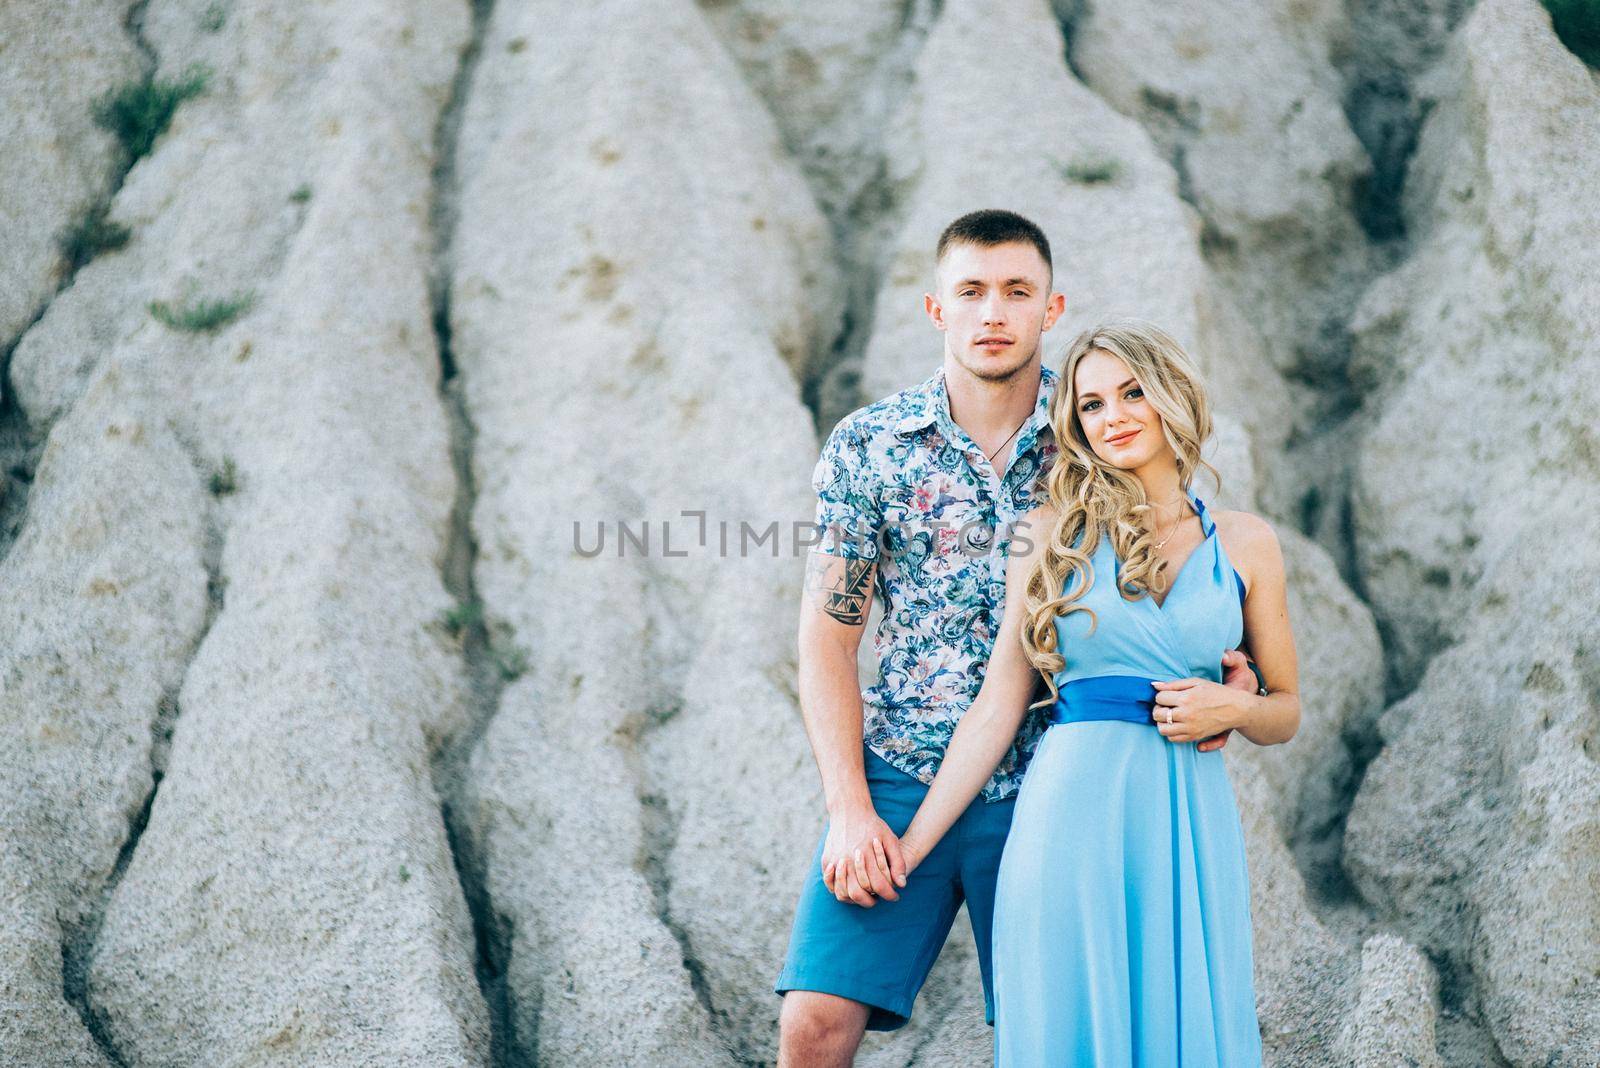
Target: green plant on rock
(1096, 171)
(90, 236)
(139, 112)
(202, 315)
(461, 616)
(225, 481)
(511, 662)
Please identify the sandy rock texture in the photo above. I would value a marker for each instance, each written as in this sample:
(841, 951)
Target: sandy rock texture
(223, 673)
(402, 530)
(630, 332)
(1273, 173)
(1478, 825)
(56, 62)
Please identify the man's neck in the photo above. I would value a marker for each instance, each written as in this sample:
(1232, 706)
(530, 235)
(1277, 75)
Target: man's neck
(984, 407)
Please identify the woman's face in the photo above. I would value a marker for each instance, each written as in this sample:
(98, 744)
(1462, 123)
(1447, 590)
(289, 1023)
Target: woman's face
(1117, 420)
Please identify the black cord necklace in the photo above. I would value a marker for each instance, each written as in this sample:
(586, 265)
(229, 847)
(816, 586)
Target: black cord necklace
(990, 456)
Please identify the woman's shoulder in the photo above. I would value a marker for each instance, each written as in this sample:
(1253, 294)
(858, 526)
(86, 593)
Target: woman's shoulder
(1039, 514)
(1032, 530)
(1249, 539)
(1247, 524)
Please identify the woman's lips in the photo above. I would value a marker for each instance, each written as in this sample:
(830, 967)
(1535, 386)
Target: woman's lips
(1123, 439)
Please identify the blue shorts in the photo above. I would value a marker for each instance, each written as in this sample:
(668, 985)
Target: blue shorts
(881, 956)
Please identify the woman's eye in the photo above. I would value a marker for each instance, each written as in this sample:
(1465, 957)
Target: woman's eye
(1135, 391)
(1089, 406)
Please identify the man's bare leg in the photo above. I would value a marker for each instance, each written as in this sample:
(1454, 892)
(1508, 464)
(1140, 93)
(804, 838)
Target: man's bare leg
(817, 1030)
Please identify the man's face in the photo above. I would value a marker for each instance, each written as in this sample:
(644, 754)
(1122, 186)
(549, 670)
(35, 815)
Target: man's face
(993, 304)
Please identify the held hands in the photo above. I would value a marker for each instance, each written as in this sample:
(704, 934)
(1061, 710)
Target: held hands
(861, 859)
(1204, 711)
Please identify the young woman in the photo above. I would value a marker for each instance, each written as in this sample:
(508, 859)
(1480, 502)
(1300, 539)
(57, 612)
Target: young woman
(1122, 915)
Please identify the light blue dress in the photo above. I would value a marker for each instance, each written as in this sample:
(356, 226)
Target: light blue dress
(1122, 909)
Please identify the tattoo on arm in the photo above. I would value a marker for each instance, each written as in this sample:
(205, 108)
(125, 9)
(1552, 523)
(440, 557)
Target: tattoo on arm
(845, 596)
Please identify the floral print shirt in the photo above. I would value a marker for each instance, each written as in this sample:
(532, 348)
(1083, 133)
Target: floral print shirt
(900, 483)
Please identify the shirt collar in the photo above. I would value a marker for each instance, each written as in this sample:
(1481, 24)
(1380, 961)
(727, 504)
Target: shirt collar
(930, 402)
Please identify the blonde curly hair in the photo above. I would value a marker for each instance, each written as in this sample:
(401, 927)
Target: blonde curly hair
(1090, 496)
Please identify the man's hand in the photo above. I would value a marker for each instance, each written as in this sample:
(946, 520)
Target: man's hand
(1236, 671)
(1237, 674)
(861, 858)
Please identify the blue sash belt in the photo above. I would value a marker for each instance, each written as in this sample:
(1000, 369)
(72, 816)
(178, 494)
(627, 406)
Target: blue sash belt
(1126, 697)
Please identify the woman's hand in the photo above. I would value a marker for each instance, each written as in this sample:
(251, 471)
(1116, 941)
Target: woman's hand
(1199, 708)
(861, 857)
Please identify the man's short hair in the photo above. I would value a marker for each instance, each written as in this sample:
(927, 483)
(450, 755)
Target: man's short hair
(994, 226)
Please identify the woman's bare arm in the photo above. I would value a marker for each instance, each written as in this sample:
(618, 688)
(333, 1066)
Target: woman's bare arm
(1192, 709)
(987, 729)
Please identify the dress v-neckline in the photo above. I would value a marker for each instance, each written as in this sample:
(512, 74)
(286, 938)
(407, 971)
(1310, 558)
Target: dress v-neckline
(1199, 511)
(1161, 605)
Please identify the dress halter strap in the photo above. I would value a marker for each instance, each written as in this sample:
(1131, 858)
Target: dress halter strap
(1209, 527)
(1207, 524)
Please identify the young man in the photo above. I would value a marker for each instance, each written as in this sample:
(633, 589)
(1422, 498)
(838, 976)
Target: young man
(917, 494)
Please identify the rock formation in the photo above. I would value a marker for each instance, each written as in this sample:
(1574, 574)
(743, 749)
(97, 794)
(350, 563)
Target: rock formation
(406, 414)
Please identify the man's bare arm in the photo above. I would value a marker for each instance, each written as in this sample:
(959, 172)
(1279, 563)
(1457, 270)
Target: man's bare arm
(833, 617)
(845, 593)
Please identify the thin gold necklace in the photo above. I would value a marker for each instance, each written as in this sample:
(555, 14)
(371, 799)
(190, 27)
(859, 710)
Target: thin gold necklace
(1176, 520)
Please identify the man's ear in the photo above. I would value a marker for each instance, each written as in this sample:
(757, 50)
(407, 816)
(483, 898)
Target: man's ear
(1053, 309)
(934, 310)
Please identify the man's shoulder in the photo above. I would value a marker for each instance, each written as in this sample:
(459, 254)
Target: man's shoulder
(883, 417)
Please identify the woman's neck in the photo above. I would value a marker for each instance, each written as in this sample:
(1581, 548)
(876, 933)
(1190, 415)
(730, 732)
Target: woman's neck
(1162, 486)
